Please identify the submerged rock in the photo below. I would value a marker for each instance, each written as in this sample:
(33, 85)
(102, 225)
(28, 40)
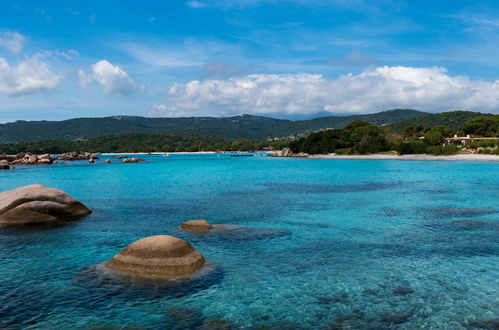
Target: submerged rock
(231, 232)
(217, 324)
(36, 204)
(468, 224)
(196, 225)
(403, 290)
(184, 318)
(484, 324)
(394, 318)
(161, 256)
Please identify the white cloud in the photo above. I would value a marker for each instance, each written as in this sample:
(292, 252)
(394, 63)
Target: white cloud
(111, 77)
(373, 90)
(12, 41)
(30, 76)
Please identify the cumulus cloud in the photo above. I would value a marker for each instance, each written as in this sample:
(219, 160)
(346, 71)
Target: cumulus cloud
(111, 77)
(373, 90)
(12, 41)
(30, 76)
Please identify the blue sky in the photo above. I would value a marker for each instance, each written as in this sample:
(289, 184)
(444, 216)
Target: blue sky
(289, 59)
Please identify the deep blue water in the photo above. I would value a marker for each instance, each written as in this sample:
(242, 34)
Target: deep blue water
(341, 238)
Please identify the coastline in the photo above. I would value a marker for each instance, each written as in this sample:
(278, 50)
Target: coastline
(414, 157)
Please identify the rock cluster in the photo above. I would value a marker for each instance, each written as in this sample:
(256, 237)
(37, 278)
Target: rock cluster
(35, 204)
(286, 152)
(24, 158)
(77, 155)
(132, 160)
(30, 159)
(160, 256)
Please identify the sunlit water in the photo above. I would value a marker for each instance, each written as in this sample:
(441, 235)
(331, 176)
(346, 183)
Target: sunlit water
(350, 239)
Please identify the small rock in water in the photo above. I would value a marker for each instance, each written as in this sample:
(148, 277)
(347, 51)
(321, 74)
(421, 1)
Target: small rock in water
(196, 225)
(108, 161)
(4, 167)
(403, 290)
(91, 161)
(132, 160)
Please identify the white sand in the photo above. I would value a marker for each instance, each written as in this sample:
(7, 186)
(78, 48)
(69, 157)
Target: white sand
(460, 157)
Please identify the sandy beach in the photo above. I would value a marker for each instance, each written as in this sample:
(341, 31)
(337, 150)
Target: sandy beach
(460, 157)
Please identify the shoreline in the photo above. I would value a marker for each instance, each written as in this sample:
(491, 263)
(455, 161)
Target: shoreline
(413, 157)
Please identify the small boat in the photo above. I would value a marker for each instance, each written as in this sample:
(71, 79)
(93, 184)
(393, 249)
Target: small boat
(166, 154)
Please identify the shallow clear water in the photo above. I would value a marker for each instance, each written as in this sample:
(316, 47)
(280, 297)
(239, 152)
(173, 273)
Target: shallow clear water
(348, 234)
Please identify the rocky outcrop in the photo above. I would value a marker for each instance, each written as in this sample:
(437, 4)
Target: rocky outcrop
(31, 159)
(196, 225)
(132, 160)
(77, 155)
(160, 256)
(286, 152)
(37, 204)
(4, 166)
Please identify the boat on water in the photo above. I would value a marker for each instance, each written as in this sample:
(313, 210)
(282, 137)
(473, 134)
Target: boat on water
(166, 154)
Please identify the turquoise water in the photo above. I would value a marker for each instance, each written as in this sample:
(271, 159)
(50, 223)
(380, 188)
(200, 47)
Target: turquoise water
(339, 239)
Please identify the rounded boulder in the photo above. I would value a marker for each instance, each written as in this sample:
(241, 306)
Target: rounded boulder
(37, 204)
(161, 256)
(196, 225)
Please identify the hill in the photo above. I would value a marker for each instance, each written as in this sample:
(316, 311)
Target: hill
(451, 119)
(229, 128)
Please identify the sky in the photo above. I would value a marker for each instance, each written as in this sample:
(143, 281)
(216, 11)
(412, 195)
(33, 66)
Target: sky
(284, 59)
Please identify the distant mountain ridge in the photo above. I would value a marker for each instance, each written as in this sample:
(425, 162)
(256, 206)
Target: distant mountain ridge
(451, 119)
(228, 128)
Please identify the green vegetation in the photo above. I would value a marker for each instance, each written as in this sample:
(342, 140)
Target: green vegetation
(359, 137)
(135, 143)
(451, 119)
(484, 126)
(231, 128)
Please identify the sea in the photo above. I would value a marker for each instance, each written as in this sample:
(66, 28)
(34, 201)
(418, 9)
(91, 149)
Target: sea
(323, 244)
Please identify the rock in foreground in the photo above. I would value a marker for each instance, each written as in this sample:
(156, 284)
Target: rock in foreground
(161, 256)
(37, 204)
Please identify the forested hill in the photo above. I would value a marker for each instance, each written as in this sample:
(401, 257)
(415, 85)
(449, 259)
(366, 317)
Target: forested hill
(451, 119)
(229, 128)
